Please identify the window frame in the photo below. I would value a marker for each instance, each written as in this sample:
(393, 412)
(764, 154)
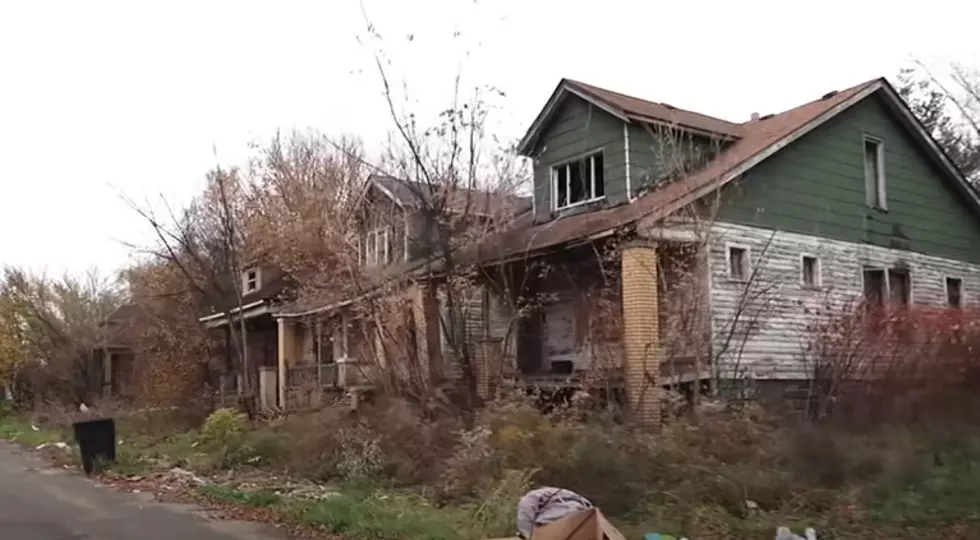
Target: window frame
(959, 280)
(246, 280)
(372, 248)
(553, 179)
(876, 193)
(817, 271)
(746, 262)
(887, 271)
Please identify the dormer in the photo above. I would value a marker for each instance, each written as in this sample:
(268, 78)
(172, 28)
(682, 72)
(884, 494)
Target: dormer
(593, 148)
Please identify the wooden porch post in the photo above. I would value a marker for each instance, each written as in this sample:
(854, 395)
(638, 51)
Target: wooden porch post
(283, 335)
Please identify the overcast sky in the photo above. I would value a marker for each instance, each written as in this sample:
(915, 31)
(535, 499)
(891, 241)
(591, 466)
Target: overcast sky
(144, 97)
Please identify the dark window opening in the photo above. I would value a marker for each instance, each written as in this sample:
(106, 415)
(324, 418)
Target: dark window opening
(811, 271)
(737, 263)
(954, 292)
(899, 287)
(874, 287)
(578, 181)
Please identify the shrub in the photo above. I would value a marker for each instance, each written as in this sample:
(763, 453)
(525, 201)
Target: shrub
(224, 426)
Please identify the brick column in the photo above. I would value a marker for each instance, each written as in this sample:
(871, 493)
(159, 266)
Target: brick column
(641, 332)
(487, 355)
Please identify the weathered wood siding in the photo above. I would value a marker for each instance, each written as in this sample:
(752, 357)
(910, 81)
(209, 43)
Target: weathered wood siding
(577, 129)
(817, 186)
(760, 327)
(659, 154)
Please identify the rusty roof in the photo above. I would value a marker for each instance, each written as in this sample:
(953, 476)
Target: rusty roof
(649, 111)
(755, 139)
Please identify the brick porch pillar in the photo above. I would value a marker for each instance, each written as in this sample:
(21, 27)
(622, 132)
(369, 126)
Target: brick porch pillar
(641, 332)
(488, 357)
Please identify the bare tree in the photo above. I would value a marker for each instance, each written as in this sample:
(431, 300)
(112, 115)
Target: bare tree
(947, 102)
(206, 245)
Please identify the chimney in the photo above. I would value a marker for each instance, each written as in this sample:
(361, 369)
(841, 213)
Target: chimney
(754, 117)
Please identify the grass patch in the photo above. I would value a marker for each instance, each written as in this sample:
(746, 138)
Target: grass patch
(23, 432)
(379, 516)
(252, 498)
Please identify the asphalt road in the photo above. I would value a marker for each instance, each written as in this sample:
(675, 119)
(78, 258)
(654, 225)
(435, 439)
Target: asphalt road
(41, 503)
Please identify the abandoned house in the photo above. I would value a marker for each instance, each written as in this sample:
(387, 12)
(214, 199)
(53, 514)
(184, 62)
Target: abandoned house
(262, 293)
(114, 353)
(663, 246)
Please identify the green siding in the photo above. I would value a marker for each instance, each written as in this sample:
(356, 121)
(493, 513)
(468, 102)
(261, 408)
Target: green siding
(657, 153)
(816, 186)
(577, 129)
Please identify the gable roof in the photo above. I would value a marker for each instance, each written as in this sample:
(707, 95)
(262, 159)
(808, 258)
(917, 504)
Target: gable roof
(757, 140)
(628, 109)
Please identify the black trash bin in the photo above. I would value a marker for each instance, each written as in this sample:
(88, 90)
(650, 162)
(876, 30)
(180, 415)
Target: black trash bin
(96, 442)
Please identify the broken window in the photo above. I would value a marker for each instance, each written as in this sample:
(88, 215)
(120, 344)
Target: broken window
(578, 181)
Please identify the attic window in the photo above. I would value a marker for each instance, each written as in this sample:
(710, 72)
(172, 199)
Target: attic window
(250, 279)
(578, 182)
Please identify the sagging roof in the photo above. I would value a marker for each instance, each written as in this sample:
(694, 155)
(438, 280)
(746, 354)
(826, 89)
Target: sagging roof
(753, 142)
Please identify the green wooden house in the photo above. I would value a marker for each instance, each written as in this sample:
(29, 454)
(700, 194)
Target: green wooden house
(841, 199)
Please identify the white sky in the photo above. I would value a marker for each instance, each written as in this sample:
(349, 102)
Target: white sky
(97, 96)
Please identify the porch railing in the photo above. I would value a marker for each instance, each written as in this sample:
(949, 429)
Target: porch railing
(326, 375)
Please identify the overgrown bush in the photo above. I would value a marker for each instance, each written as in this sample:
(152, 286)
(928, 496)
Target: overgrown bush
(224, 426)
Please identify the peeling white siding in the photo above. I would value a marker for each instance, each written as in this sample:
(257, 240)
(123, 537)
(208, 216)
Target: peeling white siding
(769, 311)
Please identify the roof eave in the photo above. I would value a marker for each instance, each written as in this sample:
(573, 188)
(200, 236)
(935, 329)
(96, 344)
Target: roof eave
(908, 117)
(562, 91)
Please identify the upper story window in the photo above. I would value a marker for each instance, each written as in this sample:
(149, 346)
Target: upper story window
(577, 182)
(874, 173)
(376, 246)
(251, 279)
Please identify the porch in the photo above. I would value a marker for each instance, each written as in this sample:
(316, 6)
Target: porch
(616, 320)
(259, 347)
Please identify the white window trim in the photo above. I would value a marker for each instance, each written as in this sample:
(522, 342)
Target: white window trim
(553, 180)
(373, 257)
(245, 280)
(818, 271)
(946, 291)
(888, 281)
(747, 261)
(881, 191)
